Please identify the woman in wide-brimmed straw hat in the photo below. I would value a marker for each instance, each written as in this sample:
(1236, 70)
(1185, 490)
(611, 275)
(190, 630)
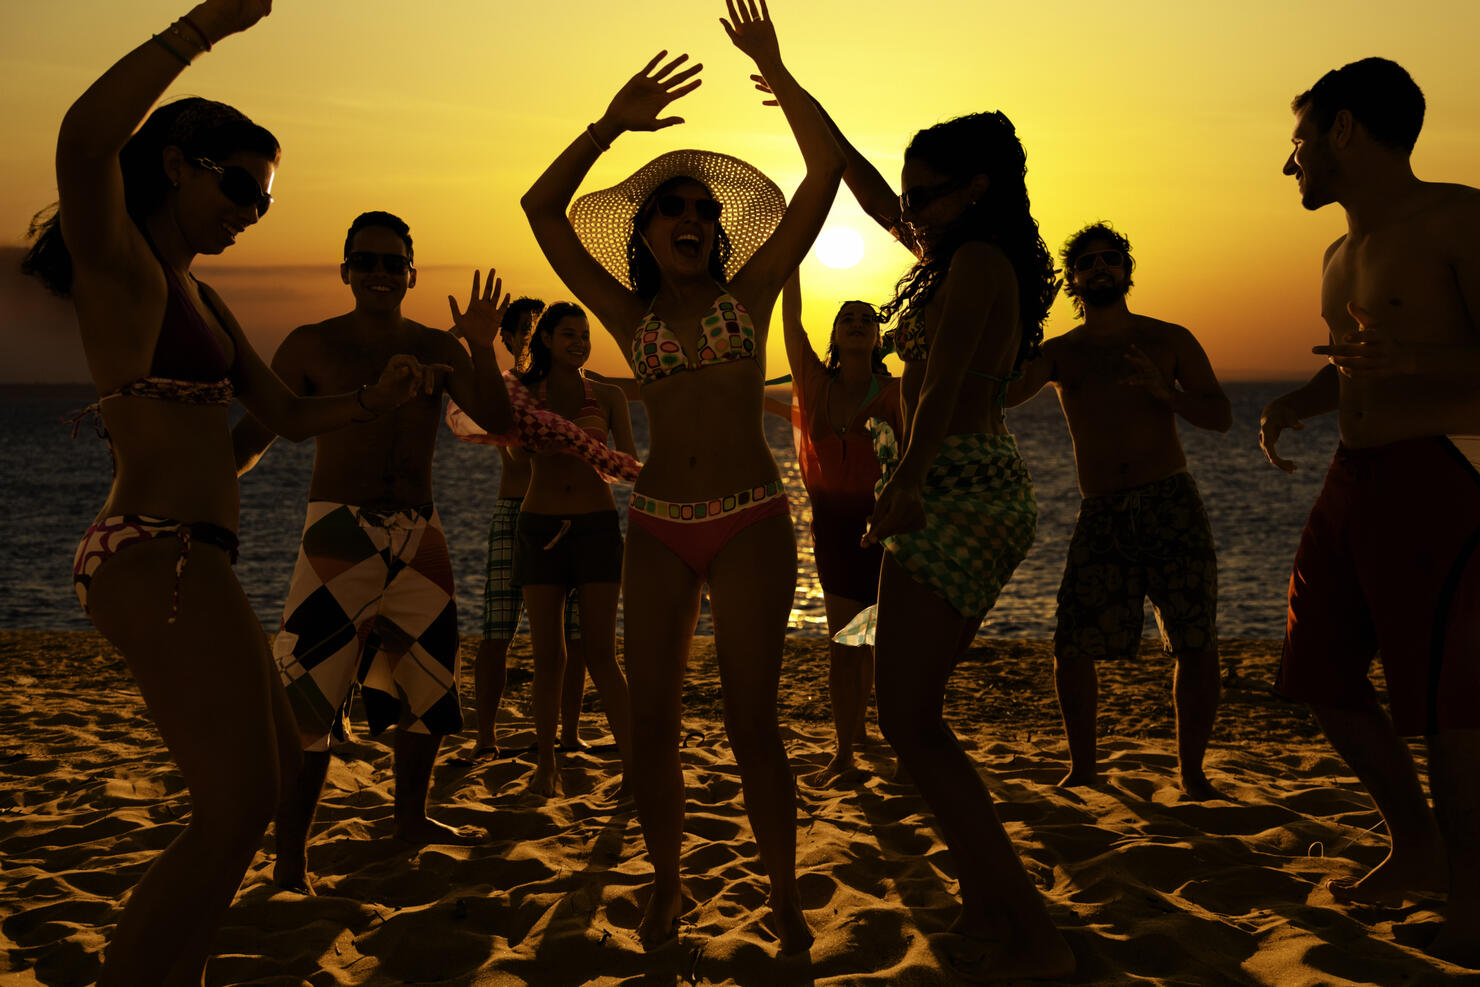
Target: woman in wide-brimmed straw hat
(682, 263)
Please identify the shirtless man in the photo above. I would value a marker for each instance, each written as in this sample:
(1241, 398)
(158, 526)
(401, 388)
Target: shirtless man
(503, 603)
(372, 592)
(1387, 562)
(1122, 380)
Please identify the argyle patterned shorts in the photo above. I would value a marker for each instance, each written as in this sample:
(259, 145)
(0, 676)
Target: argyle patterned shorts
(371, 602)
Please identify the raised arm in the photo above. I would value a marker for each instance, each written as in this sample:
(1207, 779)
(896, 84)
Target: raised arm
(799, 351)
(95, 224)
(476, 383)
(635, 107)
(872, 190)
(749, 27)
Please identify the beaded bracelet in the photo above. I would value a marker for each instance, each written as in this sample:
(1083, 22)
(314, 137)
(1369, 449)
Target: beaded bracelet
(591, 133)
(360, 400)
(159, 40)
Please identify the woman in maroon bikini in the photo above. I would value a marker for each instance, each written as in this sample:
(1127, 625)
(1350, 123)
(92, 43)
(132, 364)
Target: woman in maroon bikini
(154, 571)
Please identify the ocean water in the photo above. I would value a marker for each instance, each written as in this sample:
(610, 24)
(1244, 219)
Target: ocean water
(52, 485)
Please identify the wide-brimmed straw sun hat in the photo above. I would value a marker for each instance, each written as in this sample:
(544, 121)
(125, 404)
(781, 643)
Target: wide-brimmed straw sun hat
(752, 206)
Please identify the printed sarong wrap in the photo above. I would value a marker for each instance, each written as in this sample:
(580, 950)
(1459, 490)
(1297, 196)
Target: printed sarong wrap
(980, 518)
(371, 601)
(539, 429)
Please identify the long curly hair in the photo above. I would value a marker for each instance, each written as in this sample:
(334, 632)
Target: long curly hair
(642, 267)
(984, 144)
(201, 128)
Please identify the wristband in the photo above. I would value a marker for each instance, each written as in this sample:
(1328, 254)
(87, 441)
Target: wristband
(591, 133)
(185, 19)
(159, 40)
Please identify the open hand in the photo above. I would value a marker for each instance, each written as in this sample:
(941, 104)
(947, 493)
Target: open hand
(1145, 374)
(479, 325)
(1369, 352)
(637, 104)
(403, 378)
(1274, 420)
(900, 508)
(222, 18)
(750, 28)
(764, 87)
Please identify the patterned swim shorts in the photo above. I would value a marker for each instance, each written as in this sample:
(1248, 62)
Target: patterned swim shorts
(1149, 541)
(371, 602)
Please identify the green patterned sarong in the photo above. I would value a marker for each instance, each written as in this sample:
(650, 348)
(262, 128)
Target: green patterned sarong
(980, 518)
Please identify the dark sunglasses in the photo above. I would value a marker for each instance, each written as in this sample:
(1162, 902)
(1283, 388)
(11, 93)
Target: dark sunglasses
(1112, 258)
(365, 261)
(917, 198)
(237, 184)
(673, 206)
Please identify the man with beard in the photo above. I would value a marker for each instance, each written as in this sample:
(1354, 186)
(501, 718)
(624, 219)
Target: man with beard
(372, 593)
(1122, 380)
(1388, 561)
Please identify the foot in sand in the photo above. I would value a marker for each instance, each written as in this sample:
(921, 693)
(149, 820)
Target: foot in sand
(840, 768)
(1078, 778)
(660, 921)
(1398, 877)
(429, 832)
(1199, 789)
(292, 876)
(790, 925)
(981, 961)
(573, 744)
(545, 781)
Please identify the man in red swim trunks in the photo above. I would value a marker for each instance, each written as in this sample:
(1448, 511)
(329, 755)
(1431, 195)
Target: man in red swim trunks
(1390, 559)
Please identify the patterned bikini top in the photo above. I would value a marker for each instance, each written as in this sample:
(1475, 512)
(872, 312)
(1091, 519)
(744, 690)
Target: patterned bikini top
(590, 419)
(726, 334)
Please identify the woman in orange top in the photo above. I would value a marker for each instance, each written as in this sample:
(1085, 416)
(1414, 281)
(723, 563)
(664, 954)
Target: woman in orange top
(831, 401)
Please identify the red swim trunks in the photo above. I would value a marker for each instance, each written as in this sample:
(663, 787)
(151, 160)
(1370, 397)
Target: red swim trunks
(1389, 563)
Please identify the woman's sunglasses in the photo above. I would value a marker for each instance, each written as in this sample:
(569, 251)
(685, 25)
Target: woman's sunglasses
(365, 261)
(917, 198)
(1112, 258)
(673, 206)
(237, 184)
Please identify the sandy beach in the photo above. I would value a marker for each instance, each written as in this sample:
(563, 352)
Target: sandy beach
(1148, 888)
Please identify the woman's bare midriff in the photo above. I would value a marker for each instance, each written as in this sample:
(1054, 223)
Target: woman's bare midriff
(172, 460)
(706, 433)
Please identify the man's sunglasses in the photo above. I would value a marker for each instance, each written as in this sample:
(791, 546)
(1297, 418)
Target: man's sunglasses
(365, 261)
(1112, 258)
(237, 184)
(917, 198)
(673, 206)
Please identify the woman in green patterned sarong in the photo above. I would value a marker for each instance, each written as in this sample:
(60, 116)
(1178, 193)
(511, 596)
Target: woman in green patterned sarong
(955, 508)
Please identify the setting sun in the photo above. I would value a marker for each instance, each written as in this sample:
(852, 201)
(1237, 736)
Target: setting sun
(839, 247)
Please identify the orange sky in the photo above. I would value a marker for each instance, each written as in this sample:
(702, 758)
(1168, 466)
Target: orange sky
(1169, 119)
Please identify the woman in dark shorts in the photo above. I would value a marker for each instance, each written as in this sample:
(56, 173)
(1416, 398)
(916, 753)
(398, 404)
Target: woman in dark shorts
(831, 401)
(568, 536)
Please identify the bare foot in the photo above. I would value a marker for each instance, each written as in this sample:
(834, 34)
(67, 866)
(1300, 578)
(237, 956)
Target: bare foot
(1199, 789)
(487, 752)
(574, 744)
(429, 832)
(292, 877)
(1459, 948)
(660, 921)
(790, 925)
(1080, 779)
(1033, 958)
(545, 780)
(1394, 880)
(840, 768)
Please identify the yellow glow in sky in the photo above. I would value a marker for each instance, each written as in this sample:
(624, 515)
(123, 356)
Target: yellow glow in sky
(1169, 119)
